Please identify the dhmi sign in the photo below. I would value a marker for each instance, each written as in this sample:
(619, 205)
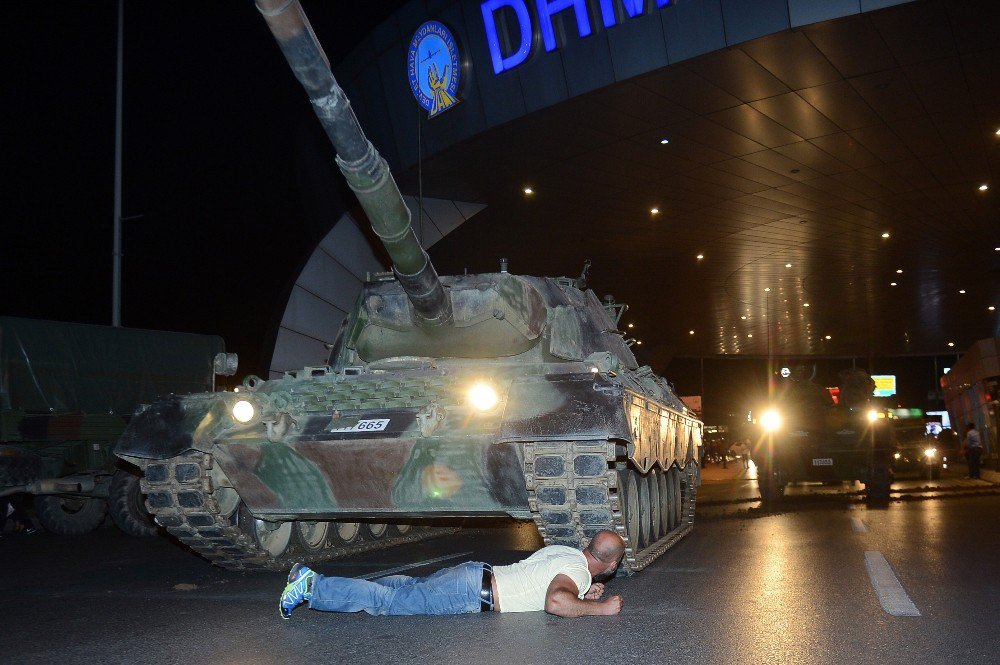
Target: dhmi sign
(885, 385)
(516, 51)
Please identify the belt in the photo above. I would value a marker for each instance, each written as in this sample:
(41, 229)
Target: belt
(486, 591)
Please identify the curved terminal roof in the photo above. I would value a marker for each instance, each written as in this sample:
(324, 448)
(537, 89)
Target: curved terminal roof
(826, 160)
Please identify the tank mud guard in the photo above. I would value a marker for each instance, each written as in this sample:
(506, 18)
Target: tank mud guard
(577, 488)
(188, 496)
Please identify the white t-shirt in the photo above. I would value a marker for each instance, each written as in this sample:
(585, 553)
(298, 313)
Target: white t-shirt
(522, 586)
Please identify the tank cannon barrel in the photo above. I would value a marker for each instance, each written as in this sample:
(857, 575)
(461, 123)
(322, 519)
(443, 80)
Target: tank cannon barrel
(366, 171)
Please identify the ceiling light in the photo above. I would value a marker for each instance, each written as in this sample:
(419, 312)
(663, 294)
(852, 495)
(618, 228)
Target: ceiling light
(983, 187)
(700, 257)
(631, 325)
(828, 337)
(664, 141)
(998, 132)
(805, 304)
(529, 190)
(749, 334)
(788, 265)
(638, 341)
(690, 332)
(892, 283)
(767, 289)
(899, 272)
(961, 290)
(991, 308)
(654, 211)
(951, 343)
(885, 235)
(744, 318)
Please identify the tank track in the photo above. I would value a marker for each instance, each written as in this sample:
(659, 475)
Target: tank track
(181, 495)
(574, 491)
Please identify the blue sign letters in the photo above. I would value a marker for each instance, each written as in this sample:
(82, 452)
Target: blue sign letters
(546, 9)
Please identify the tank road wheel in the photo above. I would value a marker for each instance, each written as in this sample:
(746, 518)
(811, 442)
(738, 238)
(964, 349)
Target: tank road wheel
(347, 532)
(666, 507)
(70, 516)
(273, 537)
(126, 505)
(629, 494)
(377, 530)
(655, 515)
(312, 535)
(400, 529)
(675, 491)
(645, 514)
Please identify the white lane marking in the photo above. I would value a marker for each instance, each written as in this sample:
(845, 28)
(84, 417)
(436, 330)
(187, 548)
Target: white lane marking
(857, 526)
(890, 592)
(417, 564)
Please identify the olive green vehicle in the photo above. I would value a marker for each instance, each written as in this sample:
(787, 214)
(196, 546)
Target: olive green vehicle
(805, 437)
(67, 391)
(444, 397)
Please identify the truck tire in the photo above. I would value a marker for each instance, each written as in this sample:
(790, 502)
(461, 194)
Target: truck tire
(70, 516)
(125, 503)
(881, 481)
(18, 467)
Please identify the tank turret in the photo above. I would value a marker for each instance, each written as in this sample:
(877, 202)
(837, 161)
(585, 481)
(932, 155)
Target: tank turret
(365, 170)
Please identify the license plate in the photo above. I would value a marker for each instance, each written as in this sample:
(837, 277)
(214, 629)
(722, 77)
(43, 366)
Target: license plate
(822, 461)
(370, 425)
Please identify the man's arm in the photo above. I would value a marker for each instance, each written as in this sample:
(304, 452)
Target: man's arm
(561, 599)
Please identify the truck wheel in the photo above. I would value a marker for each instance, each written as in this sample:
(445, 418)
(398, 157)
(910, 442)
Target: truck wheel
(878, 488)
(70, 516)
(771, 490)
(126, 506)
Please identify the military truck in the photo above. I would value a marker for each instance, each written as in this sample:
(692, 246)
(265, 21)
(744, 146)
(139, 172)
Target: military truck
(481, 394)
(67, 391)
(803, 436)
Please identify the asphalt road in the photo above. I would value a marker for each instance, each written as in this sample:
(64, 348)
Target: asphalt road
(744, 587)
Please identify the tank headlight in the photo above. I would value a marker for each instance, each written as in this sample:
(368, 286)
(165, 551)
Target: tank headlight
(243, 411)
(483, 397)
(896, 455)
(771, 420)
(872, 416)
(931, 452)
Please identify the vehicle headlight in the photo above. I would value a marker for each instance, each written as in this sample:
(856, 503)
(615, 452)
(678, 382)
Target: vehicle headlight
(771, 420)
(872, 416)
(243, 411)
(483, 397)
(930, 452)
(896, 455)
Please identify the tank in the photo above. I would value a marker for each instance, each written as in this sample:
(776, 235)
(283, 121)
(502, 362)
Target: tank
(804, 437)
(443, 397)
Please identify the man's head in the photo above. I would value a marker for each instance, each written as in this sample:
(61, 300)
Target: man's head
(603, 554)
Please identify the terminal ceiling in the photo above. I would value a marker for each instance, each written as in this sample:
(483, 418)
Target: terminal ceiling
(789, 160)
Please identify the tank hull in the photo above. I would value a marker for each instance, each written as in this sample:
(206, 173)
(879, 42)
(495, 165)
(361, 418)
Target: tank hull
(558, 448)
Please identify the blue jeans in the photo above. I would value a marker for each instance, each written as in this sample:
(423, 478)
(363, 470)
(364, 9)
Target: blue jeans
(452, 590)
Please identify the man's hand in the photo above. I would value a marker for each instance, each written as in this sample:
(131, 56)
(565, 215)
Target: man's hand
(561, 600)
(612, 605)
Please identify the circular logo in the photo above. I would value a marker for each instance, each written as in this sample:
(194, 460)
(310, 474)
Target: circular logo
(433, 67)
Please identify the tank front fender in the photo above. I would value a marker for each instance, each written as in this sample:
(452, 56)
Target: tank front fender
(165, 429)
(565, 407)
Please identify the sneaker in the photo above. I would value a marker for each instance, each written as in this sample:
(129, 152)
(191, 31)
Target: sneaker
(297, 591)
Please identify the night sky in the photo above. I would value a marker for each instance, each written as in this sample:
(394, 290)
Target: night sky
(227, 176)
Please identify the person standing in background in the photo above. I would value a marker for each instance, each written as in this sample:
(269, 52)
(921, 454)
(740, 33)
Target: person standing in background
(973, 446)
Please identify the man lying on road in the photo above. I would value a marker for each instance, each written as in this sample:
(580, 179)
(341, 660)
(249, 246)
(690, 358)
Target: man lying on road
(557, 579)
